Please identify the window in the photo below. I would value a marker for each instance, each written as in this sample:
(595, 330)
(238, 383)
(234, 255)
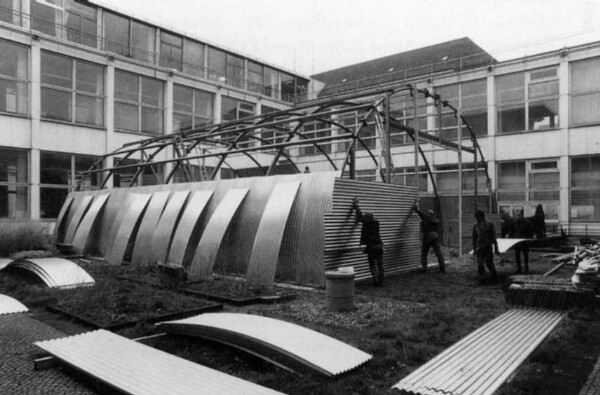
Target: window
(139, 103)
(270, 136)
(585, 188)
(217, 61)
(116, 34)
(143, 46)
(255, 77)
(288, 87)
(72, 90)
(471, 99)
(235, 71)
(446, 178)
(10, 11)
(171, 51)
(525, 184)
(585, 92)
(81, 23)
(301, 88)
(406, 176)
(528, 101)
(402, 109)
(47, 16)
(151, 175)
(193, 58)
(14, 88)
(271, 82)
(60, 174)
(232, 110)
(316, 129)
(192, 108)
(14, 190)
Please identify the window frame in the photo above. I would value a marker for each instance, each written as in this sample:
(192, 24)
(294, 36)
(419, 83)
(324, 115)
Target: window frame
(140, 104)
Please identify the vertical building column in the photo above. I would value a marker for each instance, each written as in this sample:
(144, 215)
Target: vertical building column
(217, 107)
(110, 118)
(564, 162)
(492, 132)
(168, 151)
(34, 153)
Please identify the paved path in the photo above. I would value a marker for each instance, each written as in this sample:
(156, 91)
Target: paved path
(18, 332)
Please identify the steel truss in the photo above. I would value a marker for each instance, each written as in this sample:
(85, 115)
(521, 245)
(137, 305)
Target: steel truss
(222, 143)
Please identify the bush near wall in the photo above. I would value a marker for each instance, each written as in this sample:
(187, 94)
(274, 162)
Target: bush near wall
(23, 236)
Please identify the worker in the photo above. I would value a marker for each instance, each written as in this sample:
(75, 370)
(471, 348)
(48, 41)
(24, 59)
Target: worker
(430, 227)
(484, 246)
(371, 240)
(521, 228)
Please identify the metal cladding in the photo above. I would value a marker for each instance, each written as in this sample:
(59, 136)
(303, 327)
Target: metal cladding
(481, 362)
(90, 218)
(80, 210)
(4, 262)
(210, 244)
(143, 240)
(161, 241)
(392, 206)
(61, 220)
(134, 368)
(127, 228)
(293, 346)
(10, 305)
(56, 272)
(267, 243)
(286, 228)
(187, 233)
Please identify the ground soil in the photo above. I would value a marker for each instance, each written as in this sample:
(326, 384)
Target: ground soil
(403, 324)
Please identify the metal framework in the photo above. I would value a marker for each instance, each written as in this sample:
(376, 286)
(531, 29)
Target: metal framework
(213, 147)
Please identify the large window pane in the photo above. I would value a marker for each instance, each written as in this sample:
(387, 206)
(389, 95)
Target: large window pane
(511, 176)
(126, 117)
(47, 19)
(55, 168)
(83, 164)
(255, 77)
(193, 58)
(89, 78)
(143, 39)
(14, 192)
(10, 11)
(287, 87)
(511, 119)
(182, 122)
(57, 70)
(585, 172)
(217, 61)
(89, 110)
(510, 88)
(152, 120)
(171, 51)
(585, 109)
(126, 86)
(81, 23)
(235, 71)
(56, 105)
(182, 98)
(203, 104)
(152, 92)
(271, 82)
(543, 115)
(585, 76)
(116, 34)
(51, 201)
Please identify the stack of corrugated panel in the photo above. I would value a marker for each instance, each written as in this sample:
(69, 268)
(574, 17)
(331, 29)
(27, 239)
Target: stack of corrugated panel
(481, 362)
(56, 272)
(10, 305)
(392, 206)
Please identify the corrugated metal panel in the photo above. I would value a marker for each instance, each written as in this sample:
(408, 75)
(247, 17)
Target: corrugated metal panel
(273, 339)
(61, 220)
(267, 243)
(134, 368)
(128, 225)
(163, 235)
(482, 361)
(185, 239)
(10, 305)
(208, 248)
(80, 209)
(143, 239)
(86, 226)
(392, 206)
(56, 272)
(4, 262)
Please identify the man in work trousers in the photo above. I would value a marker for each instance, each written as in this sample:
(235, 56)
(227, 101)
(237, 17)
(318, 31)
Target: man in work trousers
(521, 228)
(370, 238)
(484, 246)
(430, 226)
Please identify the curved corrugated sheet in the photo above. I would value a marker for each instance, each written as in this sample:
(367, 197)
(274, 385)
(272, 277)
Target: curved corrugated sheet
(143, 238)
(482, 361)
(267, 243)
(73, 223)
(295, 346)
(85, 228)
(210, 244)
(128, 226)
(163, 235)
(392, 206)
(61, 220)
(134, 368)
(56, 272)
(187, 233)
(4, 262)
(10, 305)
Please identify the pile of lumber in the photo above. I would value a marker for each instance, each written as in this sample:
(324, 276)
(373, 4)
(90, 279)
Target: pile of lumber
(585, 252)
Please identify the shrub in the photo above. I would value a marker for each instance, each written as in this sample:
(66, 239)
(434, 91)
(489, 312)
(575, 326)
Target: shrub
(23, 236)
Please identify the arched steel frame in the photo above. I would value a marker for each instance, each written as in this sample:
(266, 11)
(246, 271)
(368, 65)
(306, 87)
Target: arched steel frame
(224, 140)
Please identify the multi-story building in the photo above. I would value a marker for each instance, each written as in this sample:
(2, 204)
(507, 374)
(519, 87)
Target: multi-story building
(78, 81)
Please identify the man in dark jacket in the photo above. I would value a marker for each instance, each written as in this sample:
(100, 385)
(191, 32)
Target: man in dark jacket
(484, 246)
(521, 228)
(370, 238)
(430, 227)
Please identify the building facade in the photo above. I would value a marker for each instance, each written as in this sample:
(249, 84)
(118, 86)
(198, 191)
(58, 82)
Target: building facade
(78, 81)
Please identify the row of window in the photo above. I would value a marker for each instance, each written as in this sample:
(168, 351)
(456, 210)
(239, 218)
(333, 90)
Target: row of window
(77, 22)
